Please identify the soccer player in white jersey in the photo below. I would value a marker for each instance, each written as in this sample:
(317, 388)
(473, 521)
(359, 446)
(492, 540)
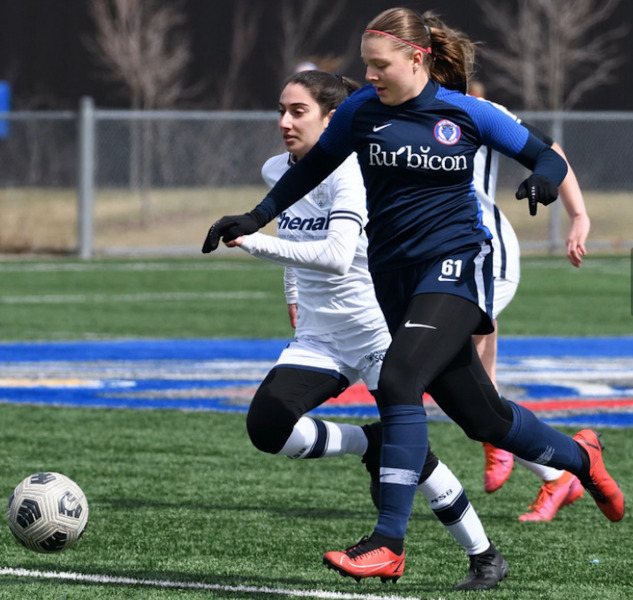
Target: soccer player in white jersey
(559, 488)
(341, 335)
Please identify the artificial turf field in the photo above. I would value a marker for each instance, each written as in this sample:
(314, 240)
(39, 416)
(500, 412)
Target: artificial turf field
(183, 507)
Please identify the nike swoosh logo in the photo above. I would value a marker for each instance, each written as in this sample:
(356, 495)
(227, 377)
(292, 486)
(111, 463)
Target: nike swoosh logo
(379, 127)
(441, 278)
(409, 325)
(591, 445)
(376, 565)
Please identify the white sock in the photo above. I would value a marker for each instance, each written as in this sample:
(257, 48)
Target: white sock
(451, 506)
(313, 438)
(543, 471)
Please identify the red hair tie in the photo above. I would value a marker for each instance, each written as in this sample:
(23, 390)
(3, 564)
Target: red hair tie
(395, 37)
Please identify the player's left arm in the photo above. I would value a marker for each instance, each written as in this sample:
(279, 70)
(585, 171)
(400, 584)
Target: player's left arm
(292, 295)
(501, 132)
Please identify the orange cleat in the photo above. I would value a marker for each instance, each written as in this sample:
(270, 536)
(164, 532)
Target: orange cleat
(366, 559)
(604, 489)
(499, 465)
(552, 496)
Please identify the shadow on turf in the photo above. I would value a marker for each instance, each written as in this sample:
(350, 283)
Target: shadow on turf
(299, 512)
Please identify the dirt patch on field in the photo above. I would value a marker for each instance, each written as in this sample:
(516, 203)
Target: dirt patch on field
(34, 220)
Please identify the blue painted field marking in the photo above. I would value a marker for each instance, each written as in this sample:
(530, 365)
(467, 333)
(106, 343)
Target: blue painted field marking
(133, 350)
(570, 381)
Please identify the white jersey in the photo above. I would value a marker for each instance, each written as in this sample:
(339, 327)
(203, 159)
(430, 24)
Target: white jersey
(336, 292)
(506, 256)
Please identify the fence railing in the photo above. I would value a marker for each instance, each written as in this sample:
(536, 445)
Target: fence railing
(96, 181)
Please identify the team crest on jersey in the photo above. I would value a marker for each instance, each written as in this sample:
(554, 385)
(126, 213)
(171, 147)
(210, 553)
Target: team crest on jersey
(446, 132)
(321, 195)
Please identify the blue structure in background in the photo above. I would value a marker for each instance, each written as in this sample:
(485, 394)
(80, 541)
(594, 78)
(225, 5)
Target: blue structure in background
(5, 106)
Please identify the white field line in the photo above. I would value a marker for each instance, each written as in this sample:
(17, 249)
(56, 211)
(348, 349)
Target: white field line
(194, 585)
(143, 297)
(91, 267)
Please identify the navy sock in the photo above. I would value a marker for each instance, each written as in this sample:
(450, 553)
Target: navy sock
(531, 439)
(404, 447)
(396, 545)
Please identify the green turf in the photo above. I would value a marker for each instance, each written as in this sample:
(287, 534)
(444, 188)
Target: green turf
(185, 497)
(555, 298)
(214, 297)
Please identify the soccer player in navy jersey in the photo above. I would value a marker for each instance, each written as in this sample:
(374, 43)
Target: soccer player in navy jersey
(340, 332)
(430, 260)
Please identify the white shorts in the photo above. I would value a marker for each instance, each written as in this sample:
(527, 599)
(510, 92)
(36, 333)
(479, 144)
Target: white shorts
(357, 353)
(504, 291)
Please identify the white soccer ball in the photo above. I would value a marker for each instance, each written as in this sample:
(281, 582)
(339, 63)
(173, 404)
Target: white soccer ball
(47, 512)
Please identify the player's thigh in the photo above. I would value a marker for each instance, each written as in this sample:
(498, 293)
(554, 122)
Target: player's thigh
(307, 373)
(435, 328)
(466, 394)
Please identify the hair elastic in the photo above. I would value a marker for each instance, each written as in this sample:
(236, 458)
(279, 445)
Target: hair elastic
(395, 37)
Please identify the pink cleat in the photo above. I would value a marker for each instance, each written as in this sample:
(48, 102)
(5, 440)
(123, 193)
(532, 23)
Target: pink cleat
(602, 487)
(552, 496)
(366, 559)
(499, 465)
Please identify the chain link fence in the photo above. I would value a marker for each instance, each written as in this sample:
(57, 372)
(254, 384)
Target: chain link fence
(97, 182)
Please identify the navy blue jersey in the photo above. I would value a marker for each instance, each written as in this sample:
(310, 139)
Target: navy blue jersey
(417, 164)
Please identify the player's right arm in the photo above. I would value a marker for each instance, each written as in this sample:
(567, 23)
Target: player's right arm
(313, 168)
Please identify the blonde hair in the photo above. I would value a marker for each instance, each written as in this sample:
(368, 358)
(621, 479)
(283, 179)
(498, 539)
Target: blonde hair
(451, 61)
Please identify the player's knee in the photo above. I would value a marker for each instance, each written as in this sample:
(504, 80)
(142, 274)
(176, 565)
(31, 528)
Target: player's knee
(268, 423)
(484, 430)
(396, 388)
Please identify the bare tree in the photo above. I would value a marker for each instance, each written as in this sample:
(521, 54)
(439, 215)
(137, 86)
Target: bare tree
(552, 51)
(303, 25)
(143, 45)
(246, 20)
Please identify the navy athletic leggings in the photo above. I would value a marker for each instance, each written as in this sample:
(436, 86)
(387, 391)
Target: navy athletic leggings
(432, 351)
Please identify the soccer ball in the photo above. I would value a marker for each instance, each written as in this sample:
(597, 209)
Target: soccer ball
(47, 512)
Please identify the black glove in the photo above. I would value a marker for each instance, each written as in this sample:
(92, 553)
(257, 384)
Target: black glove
(537, 188)
(229, 228)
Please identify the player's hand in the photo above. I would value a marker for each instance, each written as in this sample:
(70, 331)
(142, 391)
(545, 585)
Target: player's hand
(537, 188)
(236, 243)
(576, 238)
(292, 315)
(229, 228)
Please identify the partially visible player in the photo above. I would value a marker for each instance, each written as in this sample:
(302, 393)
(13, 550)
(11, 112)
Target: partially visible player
(341, 335)
(559, 488)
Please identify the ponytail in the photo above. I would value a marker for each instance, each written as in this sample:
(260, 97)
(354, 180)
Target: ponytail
(452, 61)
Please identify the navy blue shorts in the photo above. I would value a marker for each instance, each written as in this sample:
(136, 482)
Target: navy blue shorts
(466, 272)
